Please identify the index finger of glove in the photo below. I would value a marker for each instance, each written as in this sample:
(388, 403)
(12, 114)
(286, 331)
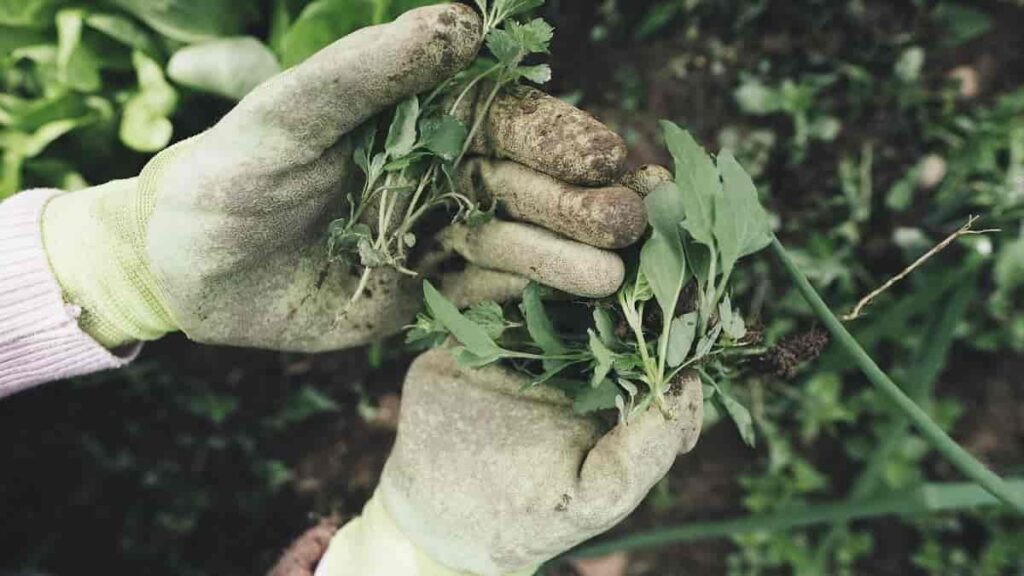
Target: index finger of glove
(305, 110)
(549, 135)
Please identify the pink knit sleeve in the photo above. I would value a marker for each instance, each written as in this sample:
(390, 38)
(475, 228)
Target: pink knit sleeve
(40, 340)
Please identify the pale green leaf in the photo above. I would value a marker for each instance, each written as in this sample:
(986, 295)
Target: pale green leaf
(27, 13)
(604, 359)
(402, 133)
(192, 21)
(322, 23)
(661, 259)
(539, 74)
(539, 324)
(231, 67)
(444, 136)
(605, 326)
(742, 226)
(124, 30)
(698, 182)
(145, 125)
(77, 66)
(469, 334)
(490, 317)
(738, 413)
(596, 398)
(681, 337)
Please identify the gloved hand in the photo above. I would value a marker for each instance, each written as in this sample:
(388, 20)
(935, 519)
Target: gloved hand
(223, 236)
(485, 480)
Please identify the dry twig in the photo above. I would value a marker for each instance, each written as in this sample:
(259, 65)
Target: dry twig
(965, 230)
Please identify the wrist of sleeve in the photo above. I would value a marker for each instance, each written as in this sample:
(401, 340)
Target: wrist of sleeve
(373, 545)
(40, 339)
(91, 238)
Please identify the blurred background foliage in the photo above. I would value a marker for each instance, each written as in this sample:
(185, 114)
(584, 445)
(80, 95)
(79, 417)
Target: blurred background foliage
(874, 129)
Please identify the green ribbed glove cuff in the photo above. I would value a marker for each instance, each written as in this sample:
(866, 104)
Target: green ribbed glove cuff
(95, 242)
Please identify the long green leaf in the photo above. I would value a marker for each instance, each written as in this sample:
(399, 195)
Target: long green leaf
(926, 499)
(698, 181)
(539, 324)
(741, 223)
(661, 259)
(469, 334)
(960, 459)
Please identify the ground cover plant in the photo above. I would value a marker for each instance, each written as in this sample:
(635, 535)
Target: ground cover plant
(873, 130)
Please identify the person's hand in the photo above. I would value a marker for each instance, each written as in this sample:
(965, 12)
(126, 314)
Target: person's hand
(488, 480)
(223, 236)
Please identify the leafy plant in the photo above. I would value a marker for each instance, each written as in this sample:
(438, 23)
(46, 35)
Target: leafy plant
(411, 170)
(673, 314)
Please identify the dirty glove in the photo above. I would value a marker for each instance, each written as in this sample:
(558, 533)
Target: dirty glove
(223, 236)
(484, 480)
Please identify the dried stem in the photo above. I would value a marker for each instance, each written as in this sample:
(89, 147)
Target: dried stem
(965, 230)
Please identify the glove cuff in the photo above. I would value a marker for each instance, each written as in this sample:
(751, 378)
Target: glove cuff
(99, 258)
(373, 545)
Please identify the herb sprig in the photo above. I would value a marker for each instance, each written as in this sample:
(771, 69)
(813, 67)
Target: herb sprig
(634, 344)
(411, 171)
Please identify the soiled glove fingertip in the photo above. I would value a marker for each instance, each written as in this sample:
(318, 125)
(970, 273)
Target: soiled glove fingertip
(685, 399)
(457, 36)
(550, 135)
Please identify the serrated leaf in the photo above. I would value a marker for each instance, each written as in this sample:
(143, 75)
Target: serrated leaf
(533, 37)
(471, 335)
(402, 132)
(681, 337)
(490, 317)
(504, 47)
(661, 259)
(444, 136)
(604, 359)
(742, 226)
(539, 324)
(697, 179)
(595, 398)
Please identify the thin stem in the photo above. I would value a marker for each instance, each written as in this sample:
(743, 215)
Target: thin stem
(960, 459)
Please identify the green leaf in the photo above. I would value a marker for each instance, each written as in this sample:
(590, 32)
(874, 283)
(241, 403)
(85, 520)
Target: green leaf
(516, 7)
(738, 413)
(681, 337)
(231, 67)
(662, 261)
(320, 24)
(27, 13)
(444, 136)
(402, 133)
(504, 47)
(605, 326)
(426, 333)
(123, 30)
(533, 37)
(473, 336)
(698, 182)
(539, 74)
(145, 125)
(604, 359)
(490, 317)
(77, 66)
(731, 321)
(193, 21)
(742, 226)
(596, 398)
(539, 324)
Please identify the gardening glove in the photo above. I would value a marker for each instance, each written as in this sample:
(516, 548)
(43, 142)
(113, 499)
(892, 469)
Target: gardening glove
(487, 479)
(223, 236)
